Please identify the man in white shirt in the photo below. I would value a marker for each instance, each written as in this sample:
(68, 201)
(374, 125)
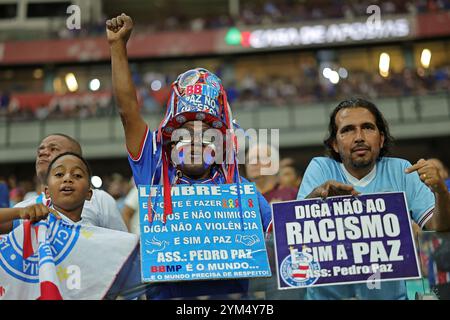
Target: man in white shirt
(100, 211)
(130, 211)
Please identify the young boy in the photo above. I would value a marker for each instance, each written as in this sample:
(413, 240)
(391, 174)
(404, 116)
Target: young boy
(106, 260)
(68, 187)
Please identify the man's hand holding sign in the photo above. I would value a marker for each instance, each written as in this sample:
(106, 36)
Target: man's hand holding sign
(332, 188)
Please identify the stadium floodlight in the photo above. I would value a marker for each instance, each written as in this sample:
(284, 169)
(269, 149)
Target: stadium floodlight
(94, 84)
(425, 58)
(383, 65)
(343, 73)
(71, 82)
(38, 73)
(326, 72)
(156, 85)
(334, 77)
(96, 182)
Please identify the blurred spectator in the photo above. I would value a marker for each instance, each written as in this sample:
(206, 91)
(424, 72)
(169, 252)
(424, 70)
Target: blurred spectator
(117, 189)
(148, 103)
(249, 84)
(16, 195)
(285, 162)
(388, 7)
(259, 157)
(4, 193)
(262, 157)
(197, 24)
(130, 211)
(34, 191)
(4, 103)
(443, 171)
(290, 178)
(232, 92)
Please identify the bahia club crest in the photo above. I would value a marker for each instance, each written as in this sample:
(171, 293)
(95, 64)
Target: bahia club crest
(299, 269)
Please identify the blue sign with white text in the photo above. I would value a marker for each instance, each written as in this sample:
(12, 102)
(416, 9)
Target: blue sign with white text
(345, 239)
(213, 233)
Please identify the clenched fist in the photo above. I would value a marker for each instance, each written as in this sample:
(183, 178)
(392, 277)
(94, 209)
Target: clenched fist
(119, 29)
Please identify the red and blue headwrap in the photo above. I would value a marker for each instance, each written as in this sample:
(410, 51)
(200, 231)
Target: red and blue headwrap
(197, 95)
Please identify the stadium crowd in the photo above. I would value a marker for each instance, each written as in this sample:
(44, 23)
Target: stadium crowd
(271, 12)
(246, 93)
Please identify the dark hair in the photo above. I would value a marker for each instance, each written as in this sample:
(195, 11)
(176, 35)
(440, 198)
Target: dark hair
(69, 154)
(380, 122)
(76, 145)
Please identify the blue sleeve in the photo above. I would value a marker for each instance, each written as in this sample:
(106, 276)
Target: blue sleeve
(314, 176)
(144, 164)
(266, 211)
(4, 196)
(419, 197)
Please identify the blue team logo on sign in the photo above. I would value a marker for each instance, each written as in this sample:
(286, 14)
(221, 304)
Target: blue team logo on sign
(62, 237)
(299, 269)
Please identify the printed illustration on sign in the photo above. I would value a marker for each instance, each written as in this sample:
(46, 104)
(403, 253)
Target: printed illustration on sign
(247, 240)
(156, 245)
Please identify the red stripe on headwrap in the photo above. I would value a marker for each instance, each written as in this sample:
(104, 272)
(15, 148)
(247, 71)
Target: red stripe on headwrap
(230, 173)
(226, 109)
(167, 188)
(231, 160)
(168, 109)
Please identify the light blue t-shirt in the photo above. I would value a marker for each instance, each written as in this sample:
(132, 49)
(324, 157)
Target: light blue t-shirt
(388, 175)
